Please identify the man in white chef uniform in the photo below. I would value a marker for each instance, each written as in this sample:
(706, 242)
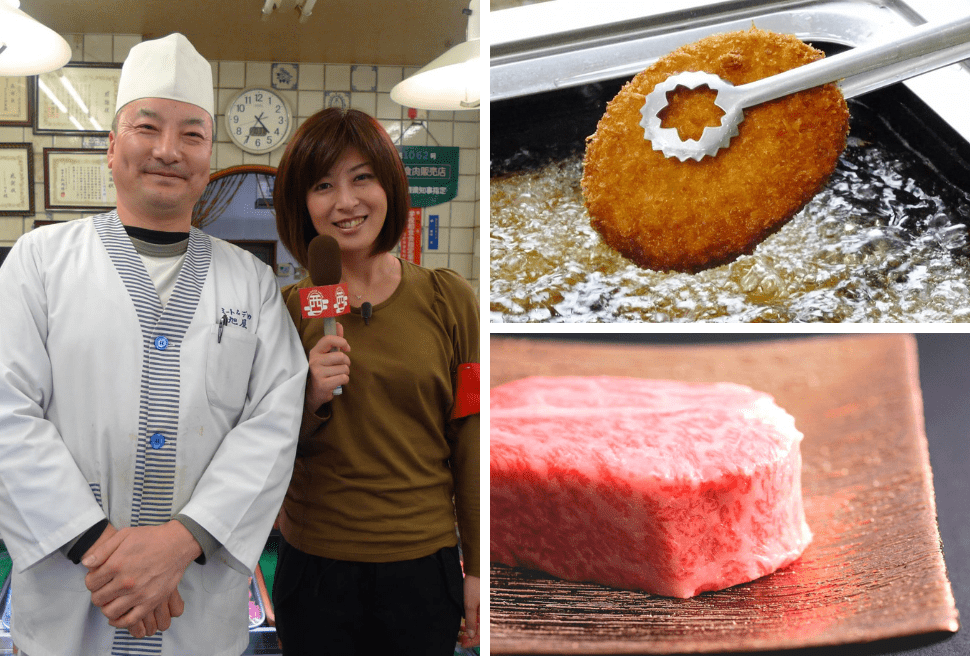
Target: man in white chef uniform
(151, 388)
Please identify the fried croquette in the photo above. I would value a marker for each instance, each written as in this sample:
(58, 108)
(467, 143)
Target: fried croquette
(665, 214)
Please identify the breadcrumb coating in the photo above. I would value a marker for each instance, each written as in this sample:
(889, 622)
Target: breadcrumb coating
(665, 214)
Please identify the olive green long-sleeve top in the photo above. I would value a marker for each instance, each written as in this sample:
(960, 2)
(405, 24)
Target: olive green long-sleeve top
(382, 469)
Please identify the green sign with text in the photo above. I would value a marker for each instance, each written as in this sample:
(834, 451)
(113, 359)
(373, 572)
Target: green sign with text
(432, 173)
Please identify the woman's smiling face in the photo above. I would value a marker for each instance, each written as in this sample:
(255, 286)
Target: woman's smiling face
(348, 203)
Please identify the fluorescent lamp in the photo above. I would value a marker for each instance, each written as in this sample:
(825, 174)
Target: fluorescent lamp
(26, 46)
(450, 82)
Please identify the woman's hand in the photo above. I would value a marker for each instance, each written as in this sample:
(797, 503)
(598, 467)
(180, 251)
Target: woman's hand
(472, 634)
(329, 369)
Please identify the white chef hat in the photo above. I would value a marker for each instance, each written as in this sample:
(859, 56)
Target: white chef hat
(166, 68)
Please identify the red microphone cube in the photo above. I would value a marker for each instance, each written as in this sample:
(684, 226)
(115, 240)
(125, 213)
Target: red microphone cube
(325, 301)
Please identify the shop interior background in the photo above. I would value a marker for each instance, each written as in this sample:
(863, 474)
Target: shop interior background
(346, 53)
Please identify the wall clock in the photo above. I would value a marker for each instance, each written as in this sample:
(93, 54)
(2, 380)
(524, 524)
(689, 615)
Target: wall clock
(258, 120)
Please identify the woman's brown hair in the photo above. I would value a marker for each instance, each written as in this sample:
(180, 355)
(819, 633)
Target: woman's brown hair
(312, 152)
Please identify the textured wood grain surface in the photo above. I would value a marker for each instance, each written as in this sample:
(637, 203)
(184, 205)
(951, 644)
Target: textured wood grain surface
(875, 569)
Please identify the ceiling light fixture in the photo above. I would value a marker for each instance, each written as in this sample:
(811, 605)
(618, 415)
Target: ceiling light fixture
(26, 46)
(450, 82)
(306, 8)
(303, 7)
(268, 8)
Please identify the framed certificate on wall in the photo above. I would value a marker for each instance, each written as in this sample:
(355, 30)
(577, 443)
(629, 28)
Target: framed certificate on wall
(78, 179)
(16, 179)
(16, 101)
(77, 99)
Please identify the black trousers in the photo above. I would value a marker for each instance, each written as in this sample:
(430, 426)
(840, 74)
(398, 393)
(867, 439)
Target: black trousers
(326, 606)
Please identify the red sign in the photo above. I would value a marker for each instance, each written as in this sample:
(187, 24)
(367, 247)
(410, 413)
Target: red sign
(327, 301)
(411, 239)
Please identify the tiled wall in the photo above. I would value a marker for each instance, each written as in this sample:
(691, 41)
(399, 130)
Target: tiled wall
(360, 86)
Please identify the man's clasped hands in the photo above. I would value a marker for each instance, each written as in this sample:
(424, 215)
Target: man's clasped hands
(133, 575)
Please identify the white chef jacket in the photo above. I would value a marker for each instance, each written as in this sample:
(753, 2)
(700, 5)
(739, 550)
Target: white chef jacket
(112, 407)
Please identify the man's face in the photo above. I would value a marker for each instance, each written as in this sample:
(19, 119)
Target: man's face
(159, 157)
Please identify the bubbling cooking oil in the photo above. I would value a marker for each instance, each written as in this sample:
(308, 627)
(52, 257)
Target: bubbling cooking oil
(873, 246)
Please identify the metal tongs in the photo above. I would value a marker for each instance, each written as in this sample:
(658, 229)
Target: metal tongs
(863, 69)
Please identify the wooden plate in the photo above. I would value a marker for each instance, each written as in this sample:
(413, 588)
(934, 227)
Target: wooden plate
(875, 568)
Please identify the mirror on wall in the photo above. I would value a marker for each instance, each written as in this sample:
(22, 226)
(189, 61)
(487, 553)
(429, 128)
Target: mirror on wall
(237, 206)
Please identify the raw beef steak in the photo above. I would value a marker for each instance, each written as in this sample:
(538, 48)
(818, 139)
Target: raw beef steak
(668, 487)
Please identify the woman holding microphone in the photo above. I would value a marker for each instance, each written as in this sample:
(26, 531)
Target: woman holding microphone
(369, 559)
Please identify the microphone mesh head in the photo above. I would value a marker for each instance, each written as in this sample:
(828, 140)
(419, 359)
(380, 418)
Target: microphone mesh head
(323, 256)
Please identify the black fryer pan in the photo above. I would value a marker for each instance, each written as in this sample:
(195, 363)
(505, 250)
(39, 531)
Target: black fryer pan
(529, 131)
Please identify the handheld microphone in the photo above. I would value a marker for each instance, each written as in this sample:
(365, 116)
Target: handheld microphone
(327, 298)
